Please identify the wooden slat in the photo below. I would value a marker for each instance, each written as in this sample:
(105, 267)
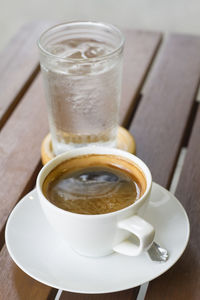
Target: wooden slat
(183, 280)
(128, 295)
(140, 49)
(18, 66)
(162, 116)
(16, 285)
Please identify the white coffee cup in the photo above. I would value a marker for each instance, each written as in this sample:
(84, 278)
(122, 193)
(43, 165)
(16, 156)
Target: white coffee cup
(99, 235)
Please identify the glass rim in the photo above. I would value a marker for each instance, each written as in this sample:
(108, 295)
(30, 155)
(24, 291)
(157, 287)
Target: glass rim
(79, 60)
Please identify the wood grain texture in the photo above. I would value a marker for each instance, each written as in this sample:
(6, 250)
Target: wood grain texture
(161, 119)
(127, 294)
(16, 285)
(19, 63)
(182, 282)
(20, 141)
(139, 51)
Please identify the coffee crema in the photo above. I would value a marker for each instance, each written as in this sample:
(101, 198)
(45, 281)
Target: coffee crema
(94, 184)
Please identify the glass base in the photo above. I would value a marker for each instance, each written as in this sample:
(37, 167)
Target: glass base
(59, 148)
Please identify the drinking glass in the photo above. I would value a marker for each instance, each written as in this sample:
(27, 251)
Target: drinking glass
(81, 63)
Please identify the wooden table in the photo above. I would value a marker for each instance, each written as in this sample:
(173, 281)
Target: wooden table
(159, 107)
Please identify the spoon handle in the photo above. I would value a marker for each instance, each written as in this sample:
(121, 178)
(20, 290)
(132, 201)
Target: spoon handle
(158, 253)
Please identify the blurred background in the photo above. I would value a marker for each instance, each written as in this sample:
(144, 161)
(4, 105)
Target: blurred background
(171, 15)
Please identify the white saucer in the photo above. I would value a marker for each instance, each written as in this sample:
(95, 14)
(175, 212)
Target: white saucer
(43, 255)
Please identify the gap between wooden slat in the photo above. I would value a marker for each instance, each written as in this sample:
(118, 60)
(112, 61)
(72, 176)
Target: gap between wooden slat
(19, 96)
(52, 295)
(153, 64)
(190, 123)
(134, 109)
(142, 291)
(126, 118)
(198, 95)
(178, 169)
(144, 84)
(58, 294)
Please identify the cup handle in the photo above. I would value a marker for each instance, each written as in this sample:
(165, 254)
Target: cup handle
(142, 230)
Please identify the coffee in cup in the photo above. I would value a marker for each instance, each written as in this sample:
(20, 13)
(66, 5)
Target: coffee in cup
(94, 184)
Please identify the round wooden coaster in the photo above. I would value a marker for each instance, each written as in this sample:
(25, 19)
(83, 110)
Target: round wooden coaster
(125, 141)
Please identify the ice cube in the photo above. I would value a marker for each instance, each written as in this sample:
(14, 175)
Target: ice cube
(93, 52)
